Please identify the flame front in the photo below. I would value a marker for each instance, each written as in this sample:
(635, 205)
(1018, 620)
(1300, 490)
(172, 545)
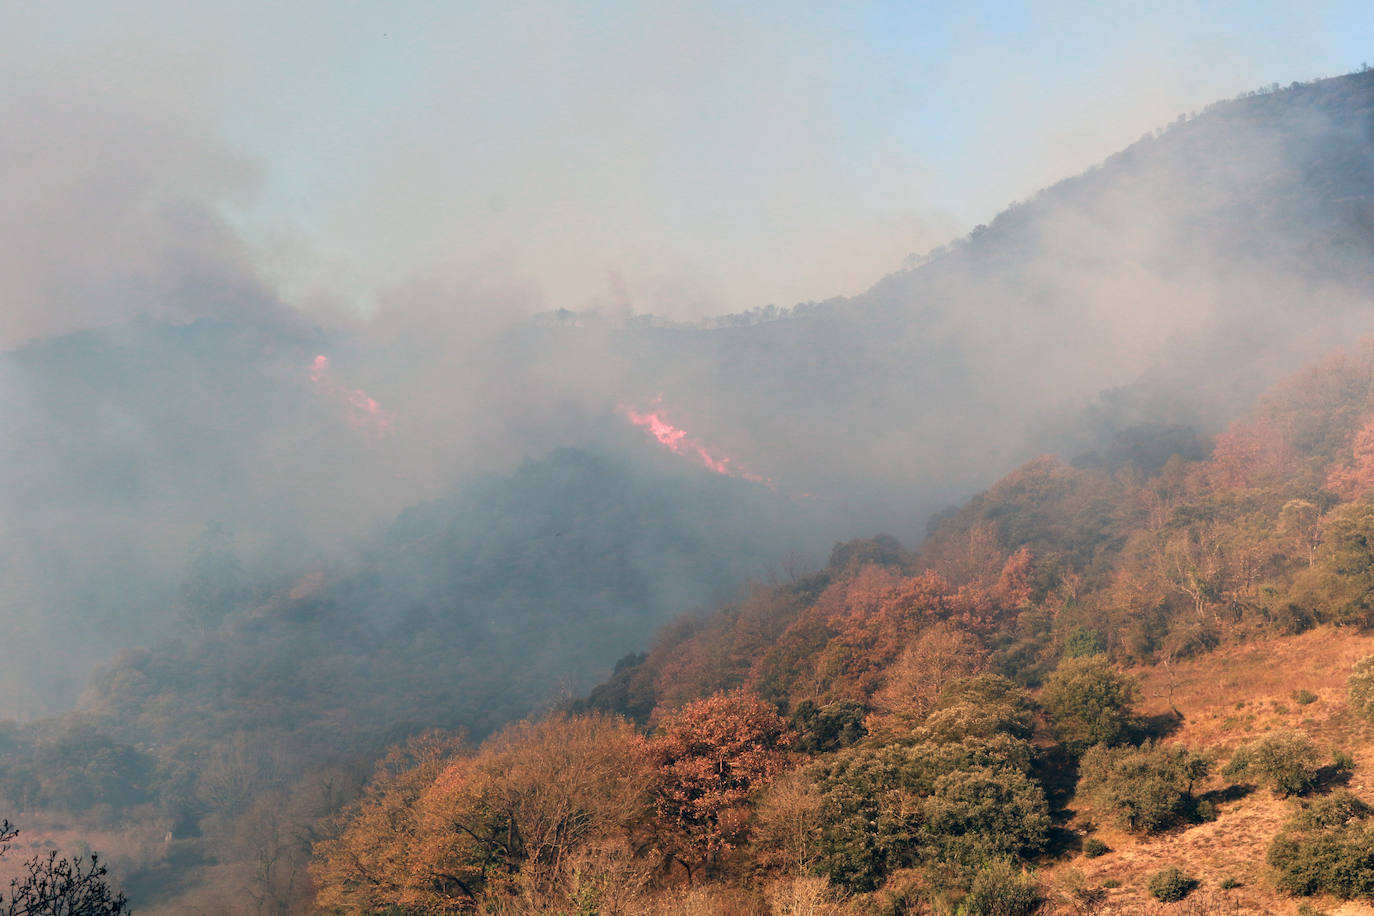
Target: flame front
(678, 442)
(361, 410)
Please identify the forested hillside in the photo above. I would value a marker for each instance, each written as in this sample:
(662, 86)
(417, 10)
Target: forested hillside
(959, 728)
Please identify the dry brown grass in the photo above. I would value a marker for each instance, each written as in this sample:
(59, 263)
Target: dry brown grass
(1237, 693)
(1230, 697)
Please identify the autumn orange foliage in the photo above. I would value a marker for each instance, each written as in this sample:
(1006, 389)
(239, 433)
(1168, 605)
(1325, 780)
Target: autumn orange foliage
(1356, 478)
(709, 758)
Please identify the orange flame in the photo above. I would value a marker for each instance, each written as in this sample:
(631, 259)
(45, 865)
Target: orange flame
(363, 413)
(679, 443)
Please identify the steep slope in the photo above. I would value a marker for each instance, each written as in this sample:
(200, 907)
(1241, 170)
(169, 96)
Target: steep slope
(1195, 575)
(1168, 286)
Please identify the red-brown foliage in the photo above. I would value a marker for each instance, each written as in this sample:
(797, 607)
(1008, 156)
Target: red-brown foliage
(710, 757)
(1356, 478)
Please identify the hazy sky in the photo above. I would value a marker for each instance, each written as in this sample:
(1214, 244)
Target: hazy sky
(682, 159)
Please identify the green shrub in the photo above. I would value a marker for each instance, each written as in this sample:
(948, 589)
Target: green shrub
(1303, 697)
(1230, 883)
(1002, 888)
(1111, 884)
(884, 808)
(1326, 848)
(1171, 884)
(1090, 702)
(1361, 687)
(1093, 847)
(1343, 762)
(1285, 762)
(1147, 788)
(1082, 642)
(1335, 810)
(1007, 708)
(984, 812)
(820, 729)
(1339, 586)
(973, 720)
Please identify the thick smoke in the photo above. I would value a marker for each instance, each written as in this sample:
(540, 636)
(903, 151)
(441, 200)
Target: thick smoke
(1164, 287)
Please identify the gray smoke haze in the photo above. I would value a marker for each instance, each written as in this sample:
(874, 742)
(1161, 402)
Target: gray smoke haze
(1167, 286)
(111, 211)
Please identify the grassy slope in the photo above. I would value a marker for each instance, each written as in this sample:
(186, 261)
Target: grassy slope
(1229, 697)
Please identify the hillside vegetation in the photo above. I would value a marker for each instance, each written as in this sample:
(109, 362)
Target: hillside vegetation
(1080, 681)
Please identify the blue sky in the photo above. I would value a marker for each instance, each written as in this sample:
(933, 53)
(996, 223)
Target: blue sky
(682, 159)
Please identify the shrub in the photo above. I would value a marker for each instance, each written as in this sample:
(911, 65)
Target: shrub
(1327, 847)
(1093, 848)
(1342, 762)
(983, 812)
(1335, 810)
(1002, 888)
(972, 720)
(1010, 709)
(821, 729)
(800, 895)
(1090, 702)
(899, 806)
(866, 826)
(1285, 762)
(1304, 697)
(1339, 586)
(1171, 884)
(1147, 788)
(1084, 642)
(1230, 883)
(1361, 686)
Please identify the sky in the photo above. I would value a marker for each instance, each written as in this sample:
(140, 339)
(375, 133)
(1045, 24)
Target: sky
(681, 159)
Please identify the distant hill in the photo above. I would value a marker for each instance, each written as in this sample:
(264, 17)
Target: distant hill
(469, 611)
(1169, 286)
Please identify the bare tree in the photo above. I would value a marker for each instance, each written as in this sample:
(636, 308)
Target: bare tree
(52, 886)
